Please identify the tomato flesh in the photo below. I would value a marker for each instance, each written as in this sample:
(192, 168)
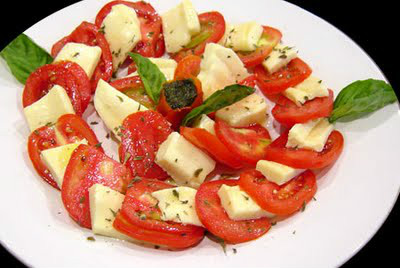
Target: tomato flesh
(188, 67)
(280, 200)
(216, 220)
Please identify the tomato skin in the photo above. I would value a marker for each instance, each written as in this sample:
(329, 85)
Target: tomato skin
(257, 57)
(288, 113)
(289, 76)
(213, 22)
(304, 158)
(247, 143)
(280, 200)
(208, 142)
(188, 67)
(249, 81)
(142, 134)
(150, 229)
(89, 166)
(89, 34)
(152, 43)
(216, 220)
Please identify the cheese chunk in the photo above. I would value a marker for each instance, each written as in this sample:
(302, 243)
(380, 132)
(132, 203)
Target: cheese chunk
(166, 66)
(311, 135)
(122, 31)
(104, 202)
(178, 205)
(242, 37)
(183, 161)
(49, 108)
(219, 68)
(309, 89)
(206, 123)
(239, 205)
(279, 57)
(179, 25)
(86, 56)
(277, 173)
(250, 110)
(113, 106)
(56, 160)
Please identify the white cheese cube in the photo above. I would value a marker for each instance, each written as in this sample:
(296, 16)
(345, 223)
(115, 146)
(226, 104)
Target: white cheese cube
(56, 160)
(239, 205)
(104, 203)
(166, 66)
(276, 172)
(179, 25)
(279, 57)
(309, 89)
(178, 205)
(219, 68)
(250, 110)
(86, 56)
(206, 123)
(122, 31)
(49, 108)
(242, 37)
(113, 106)
(183, 161)
(311, 135)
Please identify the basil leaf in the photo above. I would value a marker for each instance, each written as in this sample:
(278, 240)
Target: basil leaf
(220, 99)
(361, 98)
(23, 57)
(151, 76)
(198, 39)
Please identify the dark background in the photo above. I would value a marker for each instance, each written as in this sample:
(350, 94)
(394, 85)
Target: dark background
(371, 24)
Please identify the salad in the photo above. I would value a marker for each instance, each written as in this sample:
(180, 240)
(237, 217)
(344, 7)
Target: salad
(194, 104)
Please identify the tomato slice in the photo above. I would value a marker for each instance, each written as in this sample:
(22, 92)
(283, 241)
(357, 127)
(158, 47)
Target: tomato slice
(140, 218)
(142, 134)
(209, 143)
(289, 76)
(304, 158)
(246, 143)
(89, 34)
(152, 43)
(71, 128)
(45, 77)
(288, 113)
(216, 220)
(188, 67)
(250, 81)
(89, 166)
(210, 22)
(271, 38)
(280, 200)
(133, 87)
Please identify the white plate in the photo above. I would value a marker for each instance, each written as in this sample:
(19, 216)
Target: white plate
(354, 197)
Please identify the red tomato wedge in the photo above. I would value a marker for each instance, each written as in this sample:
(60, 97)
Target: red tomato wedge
(89, 166)
(140, 218)
(304, 158)
(89, 34)
(212, 25)
(289, 76)
(71, 128)
(208, 142)
(246, 143)
(142, 134)
(152, 43)
(280, 200)
(133, 87)
(216, 220)
(188, 67)
(65, 75)
(271, 38)
(288, 113)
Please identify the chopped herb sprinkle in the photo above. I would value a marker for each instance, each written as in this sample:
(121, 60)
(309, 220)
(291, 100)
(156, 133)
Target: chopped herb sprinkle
(91, 238)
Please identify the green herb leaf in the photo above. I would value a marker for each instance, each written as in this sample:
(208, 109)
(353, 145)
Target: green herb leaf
(175, 193)
(151, 76)
(23, 57)
(217, 239)
(361, 98)
(198, 39)
(220, 99)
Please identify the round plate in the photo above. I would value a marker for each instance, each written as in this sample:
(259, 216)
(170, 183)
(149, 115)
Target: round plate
(354, 198)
